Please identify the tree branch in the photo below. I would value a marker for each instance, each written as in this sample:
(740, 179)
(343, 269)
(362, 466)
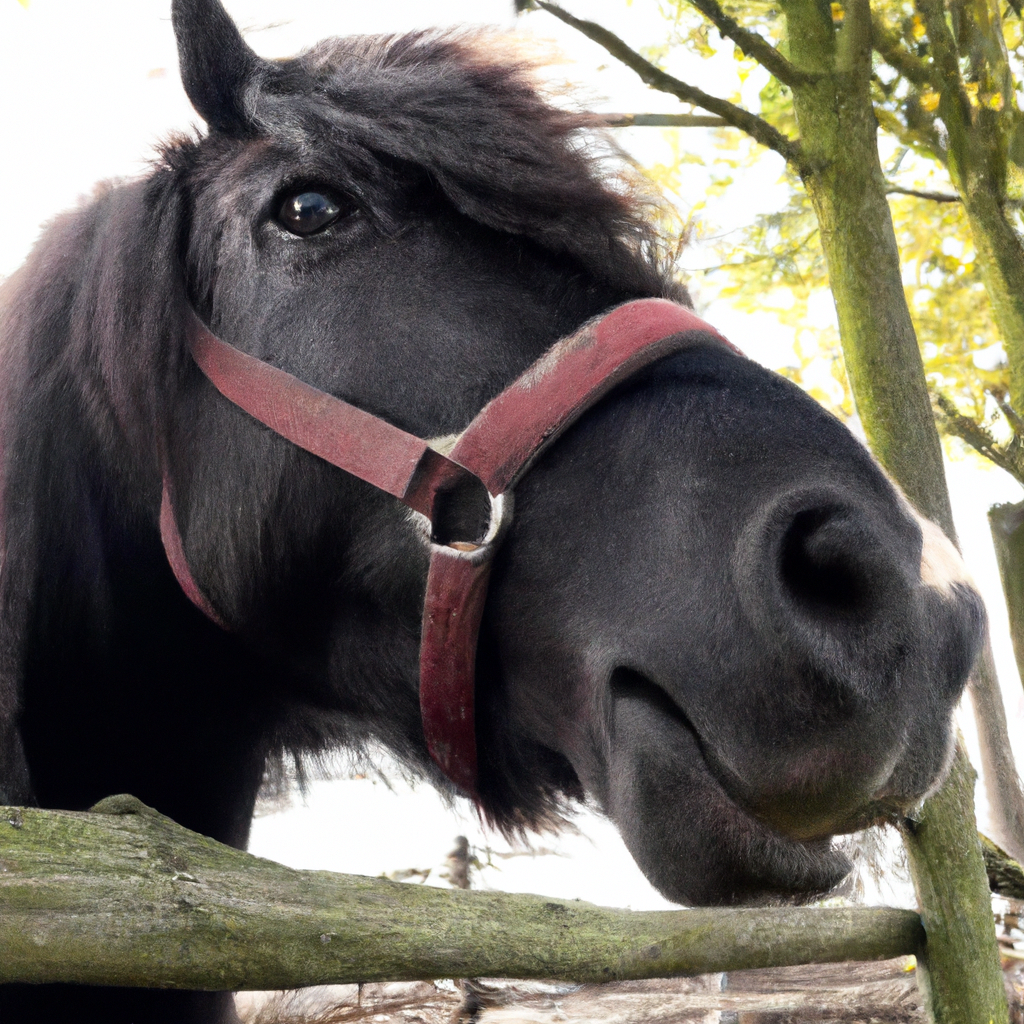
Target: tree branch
(889, 46)
(853, 42)
(1005, 875)
(664, 121)
(127, 897)
(1009, 458)
(937, 197)
(757, 128)
(1002, 399)
(753, 45)
(955, 104)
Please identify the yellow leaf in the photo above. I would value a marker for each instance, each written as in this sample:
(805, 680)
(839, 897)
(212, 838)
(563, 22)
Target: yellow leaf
(837, 12)
(929, 100)
(917, 27)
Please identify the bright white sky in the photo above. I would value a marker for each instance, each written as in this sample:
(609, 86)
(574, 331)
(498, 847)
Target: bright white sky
(87, 87)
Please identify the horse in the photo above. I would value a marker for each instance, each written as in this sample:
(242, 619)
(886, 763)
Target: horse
(711, 613)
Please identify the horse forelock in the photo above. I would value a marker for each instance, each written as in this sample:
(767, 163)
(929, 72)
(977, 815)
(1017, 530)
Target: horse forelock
(469, 108)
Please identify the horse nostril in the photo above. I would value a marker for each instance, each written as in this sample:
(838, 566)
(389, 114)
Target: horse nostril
(823, 566)
(815, 571)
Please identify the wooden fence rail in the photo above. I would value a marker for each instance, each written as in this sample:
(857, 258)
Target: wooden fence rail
(124, 896)
(132, 898)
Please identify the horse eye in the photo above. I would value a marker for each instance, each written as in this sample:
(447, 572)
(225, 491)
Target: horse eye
(307, 213)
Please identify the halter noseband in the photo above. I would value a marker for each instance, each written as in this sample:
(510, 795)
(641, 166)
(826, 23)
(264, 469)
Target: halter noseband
(494, 451)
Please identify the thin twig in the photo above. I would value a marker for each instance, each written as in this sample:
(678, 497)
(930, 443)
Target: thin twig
(759, 129)
(752, 44)
(937, 197)
(944, 197)
(1002, 399)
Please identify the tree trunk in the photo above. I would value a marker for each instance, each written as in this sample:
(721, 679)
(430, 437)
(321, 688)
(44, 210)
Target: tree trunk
(1007, 525)
(844, 180)
(1001, 264)
(846, 187)
(978, 130)
(948, 869)
(999, 771)
(130, 898)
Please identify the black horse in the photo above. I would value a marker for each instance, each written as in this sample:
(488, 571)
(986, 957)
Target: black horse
(713, 613)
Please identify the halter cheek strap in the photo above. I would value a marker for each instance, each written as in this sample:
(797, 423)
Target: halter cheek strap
(494, 451)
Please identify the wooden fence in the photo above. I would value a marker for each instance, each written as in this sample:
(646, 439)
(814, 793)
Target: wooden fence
(124, 896)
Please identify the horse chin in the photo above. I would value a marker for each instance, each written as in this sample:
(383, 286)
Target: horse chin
(694, 842)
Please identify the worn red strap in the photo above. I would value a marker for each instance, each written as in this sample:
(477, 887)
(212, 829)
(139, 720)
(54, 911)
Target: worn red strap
(452, 610)
(343, 434)
(175, 551)
(513, 428)
(496, 448)
(499, 446)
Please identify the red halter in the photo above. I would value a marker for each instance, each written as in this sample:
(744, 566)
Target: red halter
(496, 448)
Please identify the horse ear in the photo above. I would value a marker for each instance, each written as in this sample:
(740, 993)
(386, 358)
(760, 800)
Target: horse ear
(216, 63)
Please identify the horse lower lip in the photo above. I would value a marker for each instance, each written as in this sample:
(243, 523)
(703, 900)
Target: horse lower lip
(878, 812)
(794, 817)
(814, 847)
(788, 829)
(817, 832)
(739, 860)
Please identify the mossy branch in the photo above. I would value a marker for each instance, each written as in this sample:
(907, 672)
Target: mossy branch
(130, 898)
(757, 128)
(1009, 457)
(955, 106)
(853, 41)
(889, 46)
(960, 978)
(1005, 875)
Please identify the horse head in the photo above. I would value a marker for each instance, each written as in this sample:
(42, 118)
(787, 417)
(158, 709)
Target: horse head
(712, 613)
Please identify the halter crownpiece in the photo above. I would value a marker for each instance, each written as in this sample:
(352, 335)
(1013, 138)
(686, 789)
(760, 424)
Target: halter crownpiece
(494, 452)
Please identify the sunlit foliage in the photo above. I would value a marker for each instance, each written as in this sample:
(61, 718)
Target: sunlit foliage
(776, 263)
